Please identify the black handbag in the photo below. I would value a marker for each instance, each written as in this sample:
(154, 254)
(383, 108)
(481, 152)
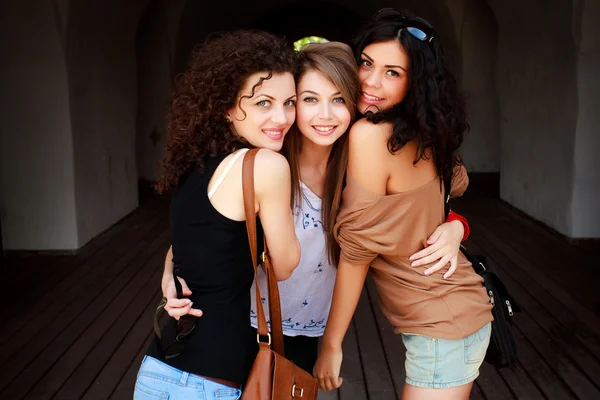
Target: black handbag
(502, 350)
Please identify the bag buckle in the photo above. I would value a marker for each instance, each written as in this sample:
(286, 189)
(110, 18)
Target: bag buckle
(295, 390)
(258, 338)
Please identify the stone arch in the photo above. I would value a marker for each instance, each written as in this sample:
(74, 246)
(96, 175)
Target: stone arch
(340, 18)
(295, 20)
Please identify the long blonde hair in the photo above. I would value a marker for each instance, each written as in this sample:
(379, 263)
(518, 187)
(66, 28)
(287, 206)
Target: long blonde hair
(335, 61)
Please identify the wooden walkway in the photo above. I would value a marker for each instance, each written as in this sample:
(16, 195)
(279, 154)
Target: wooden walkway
(76, 327)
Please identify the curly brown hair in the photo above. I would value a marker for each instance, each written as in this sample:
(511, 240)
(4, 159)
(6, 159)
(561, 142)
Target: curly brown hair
(210, 86)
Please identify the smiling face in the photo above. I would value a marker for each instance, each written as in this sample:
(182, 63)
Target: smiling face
(321, 112)
(265, 117)
(383, 75)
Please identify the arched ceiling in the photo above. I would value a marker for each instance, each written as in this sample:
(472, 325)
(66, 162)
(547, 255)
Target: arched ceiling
(333, 19)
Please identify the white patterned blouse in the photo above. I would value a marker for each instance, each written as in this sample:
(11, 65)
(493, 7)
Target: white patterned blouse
(306, 295)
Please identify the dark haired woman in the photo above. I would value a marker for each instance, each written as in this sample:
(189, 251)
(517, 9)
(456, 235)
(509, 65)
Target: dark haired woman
(393, 200)
(237, 92)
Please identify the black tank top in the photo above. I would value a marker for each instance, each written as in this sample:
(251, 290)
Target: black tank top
(212, 254)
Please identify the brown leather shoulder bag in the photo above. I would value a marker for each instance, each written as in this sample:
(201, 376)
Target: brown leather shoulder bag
(272, 377)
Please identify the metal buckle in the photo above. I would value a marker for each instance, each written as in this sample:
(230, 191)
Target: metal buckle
(263, 256)
(294, 391)
(510, 310)
(258, 338)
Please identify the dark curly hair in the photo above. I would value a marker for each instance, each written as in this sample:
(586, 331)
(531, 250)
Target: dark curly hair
(210, 86)
(433, 111)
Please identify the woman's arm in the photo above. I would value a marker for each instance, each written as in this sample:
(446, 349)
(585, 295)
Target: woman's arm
(443, 247)
(454, 216)
(444, 242)
(272, 183)
(176, 307)
(365, 164)
(167, 277)
(348, 287)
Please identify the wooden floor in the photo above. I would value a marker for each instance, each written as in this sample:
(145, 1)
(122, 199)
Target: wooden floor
(76, 326)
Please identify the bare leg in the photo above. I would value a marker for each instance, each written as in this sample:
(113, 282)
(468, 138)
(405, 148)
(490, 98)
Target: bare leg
(418, 393)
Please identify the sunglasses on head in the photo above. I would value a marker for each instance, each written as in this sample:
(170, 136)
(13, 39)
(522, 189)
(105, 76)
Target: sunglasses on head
(185, 326)
(417, 27)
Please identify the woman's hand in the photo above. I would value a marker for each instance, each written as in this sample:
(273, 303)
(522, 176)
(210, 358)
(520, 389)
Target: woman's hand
(327, 367)
(178, 307)
(444, 245)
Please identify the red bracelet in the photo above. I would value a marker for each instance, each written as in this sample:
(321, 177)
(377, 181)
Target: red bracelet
(452, 216)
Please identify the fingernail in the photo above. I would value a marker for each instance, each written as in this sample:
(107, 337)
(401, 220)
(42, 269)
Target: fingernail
(412, 264)
(188, 302)
(427, 272)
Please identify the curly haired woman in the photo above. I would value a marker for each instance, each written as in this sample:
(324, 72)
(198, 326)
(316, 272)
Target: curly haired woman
(237, 92)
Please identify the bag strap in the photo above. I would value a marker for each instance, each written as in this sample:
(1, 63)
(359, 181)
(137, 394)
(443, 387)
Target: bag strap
(274, 305)
(276, 336)
(475, 263)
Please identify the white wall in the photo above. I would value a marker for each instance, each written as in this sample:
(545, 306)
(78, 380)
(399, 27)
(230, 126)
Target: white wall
(38, 202)
(537, 85)
(103, 89)
(585, 208)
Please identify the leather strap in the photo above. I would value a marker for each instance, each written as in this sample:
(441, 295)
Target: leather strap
(273, 289)
(274, 306)
(225, 382)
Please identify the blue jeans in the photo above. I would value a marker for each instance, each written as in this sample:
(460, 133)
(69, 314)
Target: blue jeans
(157, 380)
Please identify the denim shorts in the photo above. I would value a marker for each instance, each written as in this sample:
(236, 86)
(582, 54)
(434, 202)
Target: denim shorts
(157, 380)
(439, 363)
